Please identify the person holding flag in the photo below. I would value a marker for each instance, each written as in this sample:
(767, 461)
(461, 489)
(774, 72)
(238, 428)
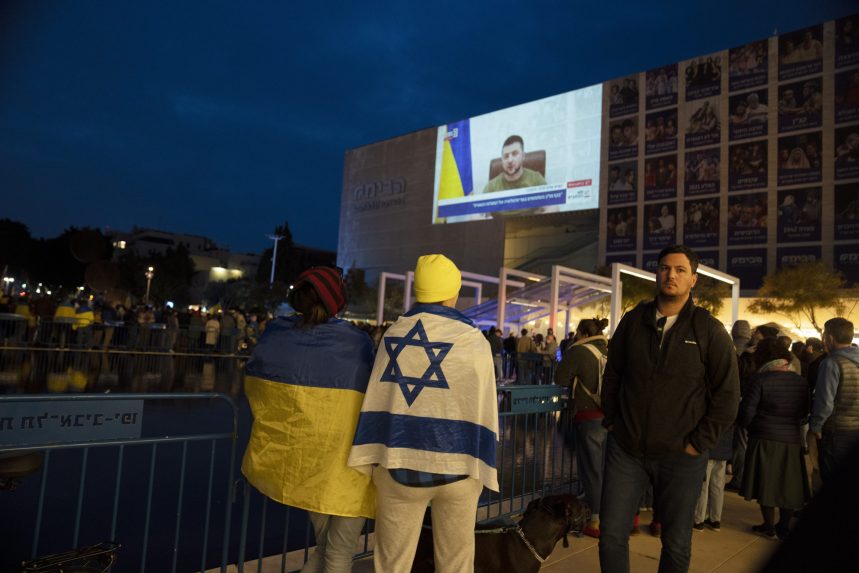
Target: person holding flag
(428, 427)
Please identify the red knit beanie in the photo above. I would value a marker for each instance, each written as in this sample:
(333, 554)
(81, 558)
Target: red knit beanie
(328, 284)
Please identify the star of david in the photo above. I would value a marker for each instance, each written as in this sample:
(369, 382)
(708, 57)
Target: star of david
(433, 377)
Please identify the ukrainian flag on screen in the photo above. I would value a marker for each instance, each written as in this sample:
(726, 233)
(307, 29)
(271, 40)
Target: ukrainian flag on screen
(305, 389)
(456, 178)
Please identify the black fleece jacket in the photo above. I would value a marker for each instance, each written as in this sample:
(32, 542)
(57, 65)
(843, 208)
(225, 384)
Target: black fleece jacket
(659, 400)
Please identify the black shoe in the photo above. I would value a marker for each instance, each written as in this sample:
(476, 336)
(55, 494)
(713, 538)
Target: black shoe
(698, 527)
(714, 525)
(764, 530)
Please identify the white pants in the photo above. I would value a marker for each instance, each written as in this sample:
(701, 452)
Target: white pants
(399, 516)
(336, 538)
(712, 493)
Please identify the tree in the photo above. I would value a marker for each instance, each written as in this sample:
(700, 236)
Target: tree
(801, 291)
(286, 269)
(710, 294)
(174, 271)
(635, 290)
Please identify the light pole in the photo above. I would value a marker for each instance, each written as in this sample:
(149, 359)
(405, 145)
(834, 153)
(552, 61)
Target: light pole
(150, 274)
(7, 284)
(274, 238)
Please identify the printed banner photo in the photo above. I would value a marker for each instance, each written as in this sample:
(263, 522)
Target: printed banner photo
(623, 96)
(660, 177)
(800, 105)
(660, 225)
(800, 53)
(799, 159)
(847, 41)
(847, 261)
(622, 181)
(847, 152)
(747, 219)
(847, 211)
(749, 265)
(650, 262)
(660, 132)
(749, 112)
(799, 212)
(661, 87)
(623, 138)
(847, 96)
(793, 256)
(621, 229)
(538, 157)
(701, 223)
(703, 124)
(703, 77)
(702, 172)
(709, 258)
(748, 66)
(747, 167)
(626, 259)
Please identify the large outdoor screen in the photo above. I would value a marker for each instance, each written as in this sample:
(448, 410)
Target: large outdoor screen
(538, 157)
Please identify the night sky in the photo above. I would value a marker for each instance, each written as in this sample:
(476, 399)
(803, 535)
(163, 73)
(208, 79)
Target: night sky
(226, 118)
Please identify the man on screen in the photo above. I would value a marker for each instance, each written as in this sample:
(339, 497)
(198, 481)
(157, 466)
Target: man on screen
(514, 175)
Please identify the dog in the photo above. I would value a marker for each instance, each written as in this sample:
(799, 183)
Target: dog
(520, 548)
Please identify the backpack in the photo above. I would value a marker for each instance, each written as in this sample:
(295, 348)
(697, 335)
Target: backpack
(601, 362)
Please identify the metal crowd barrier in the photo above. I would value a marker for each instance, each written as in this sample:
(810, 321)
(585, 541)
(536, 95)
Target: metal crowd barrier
(100, 465)
(112, 462)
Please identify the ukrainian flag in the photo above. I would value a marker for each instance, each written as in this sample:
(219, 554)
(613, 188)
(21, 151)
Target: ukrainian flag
(456, 177)
(305, 387)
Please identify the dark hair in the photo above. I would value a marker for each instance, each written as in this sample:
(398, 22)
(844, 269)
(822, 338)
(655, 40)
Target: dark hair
(513, 139)
(683, 250)
(770, 349)
(592, 326)
(840, 329)
(305, 300)
(767, 331)
(524, 332)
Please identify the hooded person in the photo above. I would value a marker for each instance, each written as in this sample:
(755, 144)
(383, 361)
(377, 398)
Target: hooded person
(305, 383)
(741, 334)
(429, 425)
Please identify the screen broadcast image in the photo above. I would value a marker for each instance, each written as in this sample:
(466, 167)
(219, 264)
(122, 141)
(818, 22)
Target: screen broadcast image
(535, 158)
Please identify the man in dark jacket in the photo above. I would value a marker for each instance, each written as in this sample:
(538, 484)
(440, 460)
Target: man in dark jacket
(670, 390)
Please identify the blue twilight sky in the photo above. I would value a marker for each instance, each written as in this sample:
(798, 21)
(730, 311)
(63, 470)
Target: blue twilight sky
(226, 118)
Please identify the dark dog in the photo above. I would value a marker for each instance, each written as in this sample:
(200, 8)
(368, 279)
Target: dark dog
(517, 549)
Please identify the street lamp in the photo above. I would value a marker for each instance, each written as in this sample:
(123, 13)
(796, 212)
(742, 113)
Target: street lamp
(150, 274)
(274, 238)
(7, 284)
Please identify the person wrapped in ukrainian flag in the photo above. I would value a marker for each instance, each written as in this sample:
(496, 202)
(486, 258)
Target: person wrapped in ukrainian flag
(305, 383)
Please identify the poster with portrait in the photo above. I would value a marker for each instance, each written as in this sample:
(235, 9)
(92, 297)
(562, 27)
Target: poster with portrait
(623, 96)
(622, 182)
(660, 225)
(701, 222)
(800, 53)
(703, 77)
(623, 138)
(847, 41)
(703, 124)
(794, 256)
(649, 262)
(660, 177)
(847, 261)
(749, 112)
(800, 105)
(624, 259)
(799, 212)
(660, 131)
(847, 211)
(747, 166)
(847, 152)
(747, 219)
(621, 229)
(660, 88)
(749, 265)
(847, 96)
(702, 172)
(749, 66)
(708, 258)
(799, 159)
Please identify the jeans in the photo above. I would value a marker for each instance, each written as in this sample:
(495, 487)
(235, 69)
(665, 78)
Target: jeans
(712, 496)
(496, 362)
(336, 540)
(832, 451)
(590, 460)
(676, 485)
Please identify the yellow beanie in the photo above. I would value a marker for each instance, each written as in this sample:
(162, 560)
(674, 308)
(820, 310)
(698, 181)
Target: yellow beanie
(436, 279)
